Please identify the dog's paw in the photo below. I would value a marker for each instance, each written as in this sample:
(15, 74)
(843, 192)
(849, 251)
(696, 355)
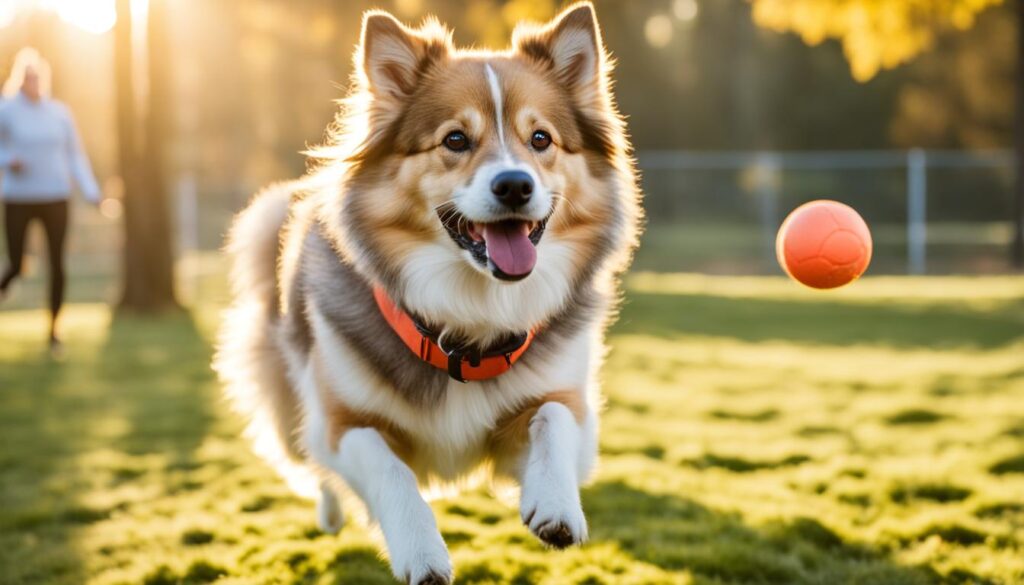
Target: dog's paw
(422, 561)
(557, 521)
(328, 512)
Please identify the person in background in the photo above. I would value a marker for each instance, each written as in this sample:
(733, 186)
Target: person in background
(40, 157)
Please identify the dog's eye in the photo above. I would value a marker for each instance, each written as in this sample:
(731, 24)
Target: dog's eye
(456, 141)
(540, 140)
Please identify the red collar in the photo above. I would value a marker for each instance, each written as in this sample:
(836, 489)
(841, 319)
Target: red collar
(459, 364)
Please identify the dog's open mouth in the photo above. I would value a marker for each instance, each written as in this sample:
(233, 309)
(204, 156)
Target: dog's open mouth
(508, 247)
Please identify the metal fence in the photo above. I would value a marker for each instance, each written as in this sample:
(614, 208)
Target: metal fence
(930, 211)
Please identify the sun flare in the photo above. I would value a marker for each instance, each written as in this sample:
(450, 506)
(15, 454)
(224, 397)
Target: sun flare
(93, 16)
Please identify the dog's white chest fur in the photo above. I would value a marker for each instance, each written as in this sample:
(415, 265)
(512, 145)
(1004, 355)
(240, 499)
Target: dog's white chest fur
(450, 437)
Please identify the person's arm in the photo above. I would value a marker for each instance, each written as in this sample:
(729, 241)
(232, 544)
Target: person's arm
(81, 171)
(6, 153)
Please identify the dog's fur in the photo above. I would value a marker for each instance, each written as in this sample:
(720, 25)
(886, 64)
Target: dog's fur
(304, 352)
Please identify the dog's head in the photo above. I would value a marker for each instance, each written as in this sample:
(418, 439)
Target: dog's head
(485, 170)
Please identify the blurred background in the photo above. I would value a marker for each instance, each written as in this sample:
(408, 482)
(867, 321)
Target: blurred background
(739, 112)
(755, 432)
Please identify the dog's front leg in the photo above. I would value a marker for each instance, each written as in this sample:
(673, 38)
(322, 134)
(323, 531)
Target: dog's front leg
(558, 453)
(388, 487)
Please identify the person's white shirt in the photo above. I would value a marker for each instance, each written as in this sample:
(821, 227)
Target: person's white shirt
(41, 137)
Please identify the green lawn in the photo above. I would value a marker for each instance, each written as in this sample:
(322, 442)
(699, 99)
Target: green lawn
(755, 433)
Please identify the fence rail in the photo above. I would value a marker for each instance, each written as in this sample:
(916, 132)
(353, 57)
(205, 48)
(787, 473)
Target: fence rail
(821, 160)
(931, 212)
(769, 177)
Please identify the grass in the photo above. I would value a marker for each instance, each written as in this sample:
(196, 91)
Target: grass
(755, 433)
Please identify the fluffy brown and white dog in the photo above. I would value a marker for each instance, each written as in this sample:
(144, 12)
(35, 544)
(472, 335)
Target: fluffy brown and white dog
(431, 300)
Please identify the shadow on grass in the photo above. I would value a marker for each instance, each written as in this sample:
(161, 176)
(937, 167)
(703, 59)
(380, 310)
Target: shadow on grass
(37, 510)
(680, 534)
(137, 396)
(156, 370)
(804, 321)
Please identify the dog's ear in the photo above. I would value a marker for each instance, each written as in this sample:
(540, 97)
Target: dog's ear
(570, 45)
(393, 57)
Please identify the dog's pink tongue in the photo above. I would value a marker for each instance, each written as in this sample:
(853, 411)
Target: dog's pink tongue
(509, 247)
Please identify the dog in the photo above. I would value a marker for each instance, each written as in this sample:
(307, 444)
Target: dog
(429, 301)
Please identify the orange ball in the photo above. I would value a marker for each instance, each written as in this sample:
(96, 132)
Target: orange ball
(824, 244)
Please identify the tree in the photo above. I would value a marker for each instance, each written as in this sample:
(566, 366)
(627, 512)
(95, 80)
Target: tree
(875, 35)
(1018, 201)
(880, 35)
(148, 263)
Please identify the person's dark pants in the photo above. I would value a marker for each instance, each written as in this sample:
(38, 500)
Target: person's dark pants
(54, 216)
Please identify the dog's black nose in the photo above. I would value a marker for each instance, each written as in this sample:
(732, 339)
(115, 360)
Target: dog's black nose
(512, 188)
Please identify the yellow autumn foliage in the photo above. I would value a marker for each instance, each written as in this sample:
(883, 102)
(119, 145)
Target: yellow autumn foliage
(875, 34)
(492, 21)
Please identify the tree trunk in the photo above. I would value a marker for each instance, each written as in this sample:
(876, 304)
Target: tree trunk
(1018, 205)
(127, 149)
(148, 258)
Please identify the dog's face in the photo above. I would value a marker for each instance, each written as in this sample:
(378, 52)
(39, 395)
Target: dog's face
(499, 164)
(481, 147)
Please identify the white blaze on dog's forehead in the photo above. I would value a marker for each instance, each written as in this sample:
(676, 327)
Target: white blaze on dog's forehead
(492, 79)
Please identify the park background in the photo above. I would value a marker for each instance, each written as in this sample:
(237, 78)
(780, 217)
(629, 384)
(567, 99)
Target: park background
(756, 432)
